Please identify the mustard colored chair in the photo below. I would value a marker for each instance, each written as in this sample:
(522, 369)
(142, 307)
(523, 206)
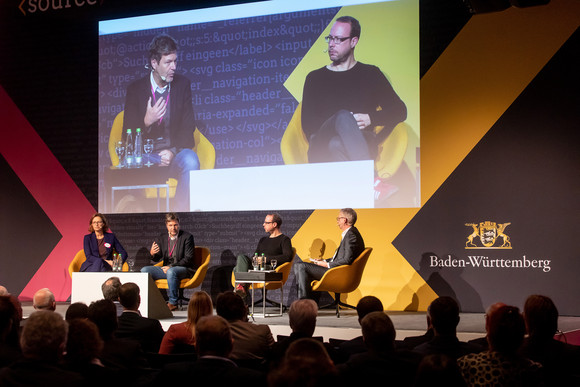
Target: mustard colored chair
(284, 268)
(294, 146)
(80, 257)
(201, 259)
(343, 279)
(203, 147)
(392, 151)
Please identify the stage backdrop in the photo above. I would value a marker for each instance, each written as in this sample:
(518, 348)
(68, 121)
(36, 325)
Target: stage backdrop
(499, 170)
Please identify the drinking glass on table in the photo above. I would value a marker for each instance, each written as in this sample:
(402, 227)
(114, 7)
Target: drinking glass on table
(120, 150)
(273, 262)
(131, 263)
(255, 262)
(148, 148)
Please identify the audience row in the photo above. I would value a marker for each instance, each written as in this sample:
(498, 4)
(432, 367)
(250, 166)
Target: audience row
(102, 343)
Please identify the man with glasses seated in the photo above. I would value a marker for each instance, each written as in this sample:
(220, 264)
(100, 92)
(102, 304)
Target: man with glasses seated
(274, 246)
(351, 246)
(344, 101)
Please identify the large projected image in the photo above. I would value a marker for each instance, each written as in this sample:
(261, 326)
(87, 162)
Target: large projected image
(259, 106)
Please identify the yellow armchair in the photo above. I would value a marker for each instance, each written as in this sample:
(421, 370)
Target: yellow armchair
(343, 279)
(202, 258)
(80, 257)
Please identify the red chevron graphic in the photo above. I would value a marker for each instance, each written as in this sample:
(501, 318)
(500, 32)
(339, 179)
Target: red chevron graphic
(54, 190)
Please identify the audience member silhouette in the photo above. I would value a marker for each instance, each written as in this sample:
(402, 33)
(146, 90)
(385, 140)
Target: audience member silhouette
(110, 289)
(561, 361)
(306, 363)
(380, 361)
(302, 320)
(501, 365)
(252, 342)
(117, 353)
(411, 342)
(9, 331)
(43, 342)
(214, 366)
(44, 299)
(147, 331)
(83, 353)
(180, 338)
(76, 310)
(482, 341)
(444, 315)
(365, 306)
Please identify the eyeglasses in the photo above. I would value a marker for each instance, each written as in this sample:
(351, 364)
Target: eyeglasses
(98, 222)
(335, 39)
(268, 222)
(340, 217)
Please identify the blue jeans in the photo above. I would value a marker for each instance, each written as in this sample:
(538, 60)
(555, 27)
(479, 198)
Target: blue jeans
(184, 162)
(174, 276)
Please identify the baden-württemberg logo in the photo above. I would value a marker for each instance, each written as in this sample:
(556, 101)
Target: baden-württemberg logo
(486, 234)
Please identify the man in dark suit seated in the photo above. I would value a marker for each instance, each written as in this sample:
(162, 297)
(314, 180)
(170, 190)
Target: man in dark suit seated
(147, 331)
(351, 246)
(214, 344)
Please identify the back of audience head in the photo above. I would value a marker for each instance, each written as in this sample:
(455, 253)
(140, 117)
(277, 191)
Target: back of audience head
(76, 310)
(306, 363)
(213, 337)
(302, 316)
(368, 304)
(506, 330)
(378, 332)
(231, 307)
(110, 288)
(129, 296)
(44, 300)
(541, 317)
(44, 336)
(9, 321)
(104, 314)
(439, 370)
(84, 344)
(3, 291)
(200, 305)
(444, 316)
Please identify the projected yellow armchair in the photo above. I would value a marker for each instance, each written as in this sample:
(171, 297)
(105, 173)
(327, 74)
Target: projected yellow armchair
(203, 147)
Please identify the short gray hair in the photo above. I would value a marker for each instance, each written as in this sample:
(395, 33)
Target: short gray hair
(350, 215)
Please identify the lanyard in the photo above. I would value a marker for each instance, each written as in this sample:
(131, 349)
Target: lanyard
(169, 244)
(166, 101)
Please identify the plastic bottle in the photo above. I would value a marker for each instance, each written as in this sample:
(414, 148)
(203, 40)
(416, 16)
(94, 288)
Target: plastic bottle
(115, 259)
(129, 154)
(138, 148)
(255, 260)
(263, 266)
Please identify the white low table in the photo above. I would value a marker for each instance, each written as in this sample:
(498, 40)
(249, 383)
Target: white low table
(86, 287)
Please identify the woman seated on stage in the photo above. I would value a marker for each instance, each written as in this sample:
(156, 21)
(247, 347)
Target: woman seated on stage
(99, 246)
(180, 338)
